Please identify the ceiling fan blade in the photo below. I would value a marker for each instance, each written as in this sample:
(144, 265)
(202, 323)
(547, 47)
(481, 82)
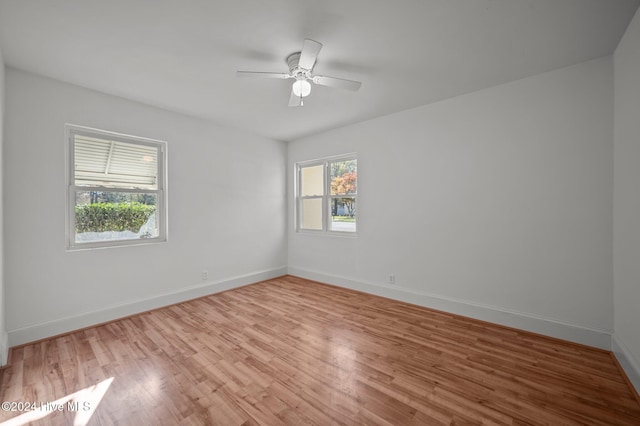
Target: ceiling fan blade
(309, 54)
(295, 100)
(263, 74)
(340, 83)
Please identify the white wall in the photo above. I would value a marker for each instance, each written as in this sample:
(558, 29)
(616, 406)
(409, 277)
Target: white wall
(495, 204)
(4, 348)
(227, 210)
(626, 342)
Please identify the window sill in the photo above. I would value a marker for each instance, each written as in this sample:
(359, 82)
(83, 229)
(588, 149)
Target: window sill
(327, 233)
(115, 244)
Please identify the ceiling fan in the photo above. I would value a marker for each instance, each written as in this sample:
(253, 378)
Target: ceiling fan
(301, 69)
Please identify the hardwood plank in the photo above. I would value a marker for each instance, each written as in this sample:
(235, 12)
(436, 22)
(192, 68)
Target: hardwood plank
(292, 351)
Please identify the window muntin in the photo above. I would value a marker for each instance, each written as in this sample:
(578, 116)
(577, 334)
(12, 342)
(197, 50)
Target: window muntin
(116, 189)
(327, 195)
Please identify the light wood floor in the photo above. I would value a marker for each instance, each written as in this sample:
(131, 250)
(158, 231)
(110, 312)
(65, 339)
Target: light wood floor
(291, 351)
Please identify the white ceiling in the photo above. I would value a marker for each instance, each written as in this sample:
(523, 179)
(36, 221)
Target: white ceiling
(183, 55)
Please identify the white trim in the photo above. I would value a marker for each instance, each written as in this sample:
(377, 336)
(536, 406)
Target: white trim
(628, 362)
(39, 331)
(519, 320)
(4, 347)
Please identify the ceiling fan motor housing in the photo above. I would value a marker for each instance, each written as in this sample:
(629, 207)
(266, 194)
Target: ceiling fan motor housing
(296, 72)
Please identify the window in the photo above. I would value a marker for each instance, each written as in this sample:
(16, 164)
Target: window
(116, 189)
(327, 194)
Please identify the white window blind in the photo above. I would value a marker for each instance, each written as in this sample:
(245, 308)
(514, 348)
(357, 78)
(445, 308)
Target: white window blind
(114, 164)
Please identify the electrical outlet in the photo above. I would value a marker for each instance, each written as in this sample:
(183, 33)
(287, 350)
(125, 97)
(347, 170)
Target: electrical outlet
(205, 275)
(392, 279)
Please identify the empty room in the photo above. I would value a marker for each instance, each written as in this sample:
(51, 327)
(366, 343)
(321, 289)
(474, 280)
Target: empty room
(264, 212)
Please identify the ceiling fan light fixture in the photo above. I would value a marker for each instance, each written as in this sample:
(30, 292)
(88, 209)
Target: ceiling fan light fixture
(301, 88)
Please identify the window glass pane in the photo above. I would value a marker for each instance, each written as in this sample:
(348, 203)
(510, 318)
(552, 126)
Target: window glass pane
(311, 180)
(343, 214)
(114, 164)
(311, 214)
(115, 216)
(343, 177)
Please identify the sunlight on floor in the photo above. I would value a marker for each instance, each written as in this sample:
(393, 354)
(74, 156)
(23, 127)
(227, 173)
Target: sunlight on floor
(344, 357)
(83, 403)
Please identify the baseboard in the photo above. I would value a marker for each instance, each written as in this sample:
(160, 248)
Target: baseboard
(40, 331)
(4, 348)
(627, 361)
(522, 321)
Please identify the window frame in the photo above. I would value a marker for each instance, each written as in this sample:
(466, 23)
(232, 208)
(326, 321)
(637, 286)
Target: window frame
(160, 192)
(326, 197)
